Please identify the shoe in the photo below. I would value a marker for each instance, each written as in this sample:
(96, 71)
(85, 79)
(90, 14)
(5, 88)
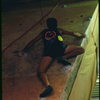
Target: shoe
(47, 91)
(64, 62)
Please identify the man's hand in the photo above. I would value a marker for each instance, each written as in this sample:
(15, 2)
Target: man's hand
(78, 35)
(20, 53)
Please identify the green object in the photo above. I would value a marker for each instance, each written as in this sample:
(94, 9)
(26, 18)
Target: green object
(60, 38)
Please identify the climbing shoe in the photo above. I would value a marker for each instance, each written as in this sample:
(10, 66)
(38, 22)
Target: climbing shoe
(46, 92)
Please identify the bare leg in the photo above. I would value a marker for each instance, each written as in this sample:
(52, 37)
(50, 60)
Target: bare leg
(44, 64)
(73, 51)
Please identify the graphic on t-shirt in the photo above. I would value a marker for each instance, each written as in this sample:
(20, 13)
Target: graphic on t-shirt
(50, 35)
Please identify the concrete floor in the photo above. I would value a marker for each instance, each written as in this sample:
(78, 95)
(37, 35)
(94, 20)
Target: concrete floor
(19, 78)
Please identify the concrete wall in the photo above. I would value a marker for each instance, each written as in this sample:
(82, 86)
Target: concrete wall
(74, 18)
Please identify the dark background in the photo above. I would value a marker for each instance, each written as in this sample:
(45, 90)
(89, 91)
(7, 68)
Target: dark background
(12, 4)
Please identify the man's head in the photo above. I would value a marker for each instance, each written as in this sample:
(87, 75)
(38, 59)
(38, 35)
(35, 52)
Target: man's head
(51, 23)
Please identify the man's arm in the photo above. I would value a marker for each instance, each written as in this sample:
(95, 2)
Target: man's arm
(71, 33)
(24, 51)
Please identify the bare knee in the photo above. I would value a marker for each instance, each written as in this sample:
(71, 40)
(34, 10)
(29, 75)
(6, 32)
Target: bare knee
(79, 50)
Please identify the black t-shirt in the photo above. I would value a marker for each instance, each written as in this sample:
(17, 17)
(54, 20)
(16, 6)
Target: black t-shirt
(51, 40)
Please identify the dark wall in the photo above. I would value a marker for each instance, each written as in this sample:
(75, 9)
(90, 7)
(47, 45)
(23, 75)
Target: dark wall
(13, 4)
(24, 1)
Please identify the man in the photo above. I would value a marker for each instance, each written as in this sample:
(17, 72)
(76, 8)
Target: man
(54, 48)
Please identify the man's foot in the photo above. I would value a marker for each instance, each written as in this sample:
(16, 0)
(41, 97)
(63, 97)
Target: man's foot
(64, 62)
(47, 91)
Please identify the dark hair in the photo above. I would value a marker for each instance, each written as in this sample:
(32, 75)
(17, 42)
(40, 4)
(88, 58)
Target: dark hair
(51, 23)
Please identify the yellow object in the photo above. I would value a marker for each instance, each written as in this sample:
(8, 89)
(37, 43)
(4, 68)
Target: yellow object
(60, 38)
(85, 65)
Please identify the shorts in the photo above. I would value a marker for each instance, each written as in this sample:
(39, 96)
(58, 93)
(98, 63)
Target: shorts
(54, 52)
